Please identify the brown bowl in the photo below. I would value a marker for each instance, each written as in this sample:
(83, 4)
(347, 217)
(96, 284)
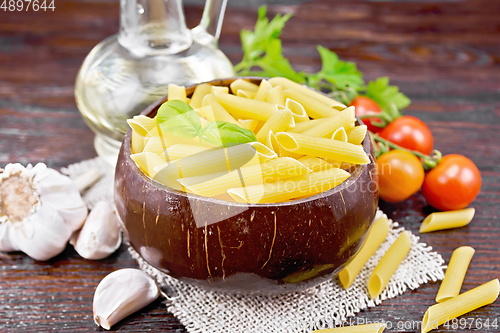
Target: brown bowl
(248, 248)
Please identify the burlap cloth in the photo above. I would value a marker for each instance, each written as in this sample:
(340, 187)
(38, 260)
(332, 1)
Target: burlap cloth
(323, 306)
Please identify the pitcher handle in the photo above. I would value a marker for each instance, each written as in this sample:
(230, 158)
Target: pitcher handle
(211, 21)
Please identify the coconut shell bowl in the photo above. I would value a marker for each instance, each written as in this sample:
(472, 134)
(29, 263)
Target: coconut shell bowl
(244, 248)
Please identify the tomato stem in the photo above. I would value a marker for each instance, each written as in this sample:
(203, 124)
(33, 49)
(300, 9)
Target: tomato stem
(428, 161)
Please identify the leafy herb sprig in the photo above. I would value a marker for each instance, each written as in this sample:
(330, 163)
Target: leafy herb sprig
(178, 118)
(263, 56)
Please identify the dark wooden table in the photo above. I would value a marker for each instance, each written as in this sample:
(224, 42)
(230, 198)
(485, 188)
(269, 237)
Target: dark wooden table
(444, 55)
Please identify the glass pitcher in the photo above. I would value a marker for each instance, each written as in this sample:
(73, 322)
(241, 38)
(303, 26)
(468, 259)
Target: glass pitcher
(126, 72)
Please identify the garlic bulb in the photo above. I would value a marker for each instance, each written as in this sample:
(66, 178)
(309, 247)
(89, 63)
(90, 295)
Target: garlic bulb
(122, 293)
(100, 235)
(39, 210)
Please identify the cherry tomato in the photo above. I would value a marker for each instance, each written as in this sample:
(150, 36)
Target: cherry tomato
(400, 175)
(453, 184)
(366, 106)
(410, 133)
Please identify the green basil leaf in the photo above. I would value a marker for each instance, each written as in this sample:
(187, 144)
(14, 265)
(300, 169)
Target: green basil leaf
(223, 134)
(178, 118)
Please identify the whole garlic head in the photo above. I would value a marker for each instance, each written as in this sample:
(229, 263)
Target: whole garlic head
(39, 210)
(122, 293)
(100, 235)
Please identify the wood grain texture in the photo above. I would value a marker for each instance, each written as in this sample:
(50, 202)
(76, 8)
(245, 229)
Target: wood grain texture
(444, 55)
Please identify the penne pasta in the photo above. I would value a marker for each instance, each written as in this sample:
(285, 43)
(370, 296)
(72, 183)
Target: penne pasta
(138, 142)
(322, 147)
(298, 111)
(141, 127)
(447, 220)
(199, 93)
(246, 108)
(455, 273)
(178, 151)
(275, 96)
(244, 93)
(241, 84)
(176, 92)
(278, 122)
(376, 236)
(357, 134)
(310, 184)
(220, 90)
(388, 264)
(315, 163)
(218, 112)
(326, 127)
(366, 328)
(252, 173)
(340, 135)
(156, 145)
(289, 84)
(250, 124)
(147, 162)
(264, 87)
(314, 108)
(304, 126)
(473, 299)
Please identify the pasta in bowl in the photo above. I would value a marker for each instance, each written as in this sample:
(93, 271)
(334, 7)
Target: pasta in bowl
(246, 185)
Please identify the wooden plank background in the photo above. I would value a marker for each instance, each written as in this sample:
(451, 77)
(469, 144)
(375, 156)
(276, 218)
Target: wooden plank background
(444, 55)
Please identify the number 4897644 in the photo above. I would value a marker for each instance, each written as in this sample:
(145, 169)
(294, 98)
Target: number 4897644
(20, 5)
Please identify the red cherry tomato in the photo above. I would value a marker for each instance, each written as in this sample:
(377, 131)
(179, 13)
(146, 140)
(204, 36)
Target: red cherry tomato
(453, 184)
(400, 175)
(410, 133)
(366, 106)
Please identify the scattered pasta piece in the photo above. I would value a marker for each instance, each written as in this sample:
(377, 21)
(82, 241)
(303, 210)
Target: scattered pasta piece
(464, 303)
(388, 265)
(455, 273)
(376, 236)
(447, 220)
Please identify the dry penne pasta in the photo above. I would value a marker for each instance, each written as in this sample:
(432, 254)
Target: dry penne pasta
(447, 220)
(245, 93)
(199, 93)
(366, 328)
(315, 163)
(179, 151)
(279, 121)
(218, 112)
(220, 90)
(250, 124)
(314, 108)
(241, 84)
(340, 135)
(357, 134)
(147, 162)
(304, 126)
(138, 142)
(455, 273)
(156, 145)
(310, 184)
(264, 87)
(473, 299)
(275, 96)
(289, 84)
(140, 127)
(246, 108)
(376, 236)
(388, 264)
(322, 147)
(176, 92)
(326, 127)
(298, 111)
(253, 173)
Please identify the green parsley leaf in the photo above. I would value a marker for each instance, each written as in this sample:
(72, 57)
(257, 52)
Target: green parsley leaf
(224, 134)
(385, 95)
(275, 64)
(178, 118)
(341, 74)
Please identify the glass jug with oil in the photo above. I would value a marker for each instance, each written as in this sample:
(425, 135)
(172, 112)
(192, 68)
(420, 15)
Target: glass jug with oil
(126, 72)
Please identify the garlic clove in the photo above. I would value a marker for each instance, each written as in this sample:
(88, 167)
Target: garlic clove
(122, 293)
(100, 235)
